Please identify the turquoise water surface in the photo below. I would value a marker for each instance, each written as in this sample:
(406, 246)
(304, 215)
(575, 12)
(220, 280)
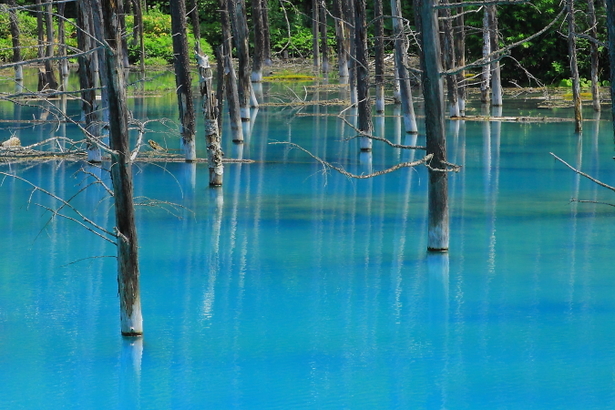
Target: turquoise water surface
(293, 288)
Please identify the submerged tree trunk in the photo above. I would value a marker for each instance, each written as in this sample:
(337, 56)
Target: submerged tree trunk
(87, 82)
(574, 67)
(121, 176)
(16, 41)
(362, 64)
(403, 76)
(594, 55)
(210, 114)
(379, 55)
(496, 78)
(183, 79)
(610, 24)
(438, 223)
(341, 36)
(230, 78)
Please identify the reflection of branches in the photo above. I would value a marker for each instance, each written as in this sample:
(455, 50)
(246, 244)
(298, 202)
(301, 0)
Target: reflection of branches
(83, 220)
(171, 207)
(342, 171)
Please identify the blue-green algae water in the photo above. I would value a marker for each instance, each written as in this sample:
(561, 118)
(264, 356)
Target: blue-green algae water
(291, 287)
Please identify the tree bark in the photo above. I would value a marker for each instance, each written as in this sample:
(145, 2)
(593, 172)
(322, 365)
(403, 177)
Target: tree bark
(438, 219)
(362, 69)
(315, 34)
(16, 41)
(266, 33)
(87, 82)
(193, 14)
(40, 28)
(121, 176)
(610, 24)
(403, 76)
(63, 63)
(379, 55)
(349, 15)
(496, 78)
(574, 67)
(138, 33)
(183, 79)
(258, 57)
(460, 57)
(449, 60)
(50, 77)
(240, 34)
(324, 45)
(594, 55)
(341, 35)
(230, 78)
(485, 83)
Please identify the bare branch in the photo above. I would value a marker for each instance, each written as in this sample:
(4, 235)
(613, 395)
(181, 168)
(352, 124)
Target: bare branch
(583, 174)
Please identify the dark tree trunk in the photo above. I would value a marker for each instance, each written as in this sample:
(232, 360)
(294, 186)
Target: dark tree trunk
(121, 176)
(574, 67)
(266, 33)
(240, 34)
(362, 64)
(341, 35)
(485, 84)
(230, 79)
(315, 34)
(16, 41)
(324, 46)
(87, 82)
(496, 79)
(182, 78)
(401, 63)
(40, 27)
(63, 63)
(50, 77)
(349, 15)
(460, 58)
(220, 87)
(449, 60)
(438, 224)
(594, 55)
(138, 33)
(193, 13)
(379, 55)
(610, 24)
(258, 57)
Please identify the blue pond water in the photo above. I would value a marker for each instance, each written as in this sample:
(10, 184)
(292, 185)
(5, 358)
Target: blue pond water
(294, 288)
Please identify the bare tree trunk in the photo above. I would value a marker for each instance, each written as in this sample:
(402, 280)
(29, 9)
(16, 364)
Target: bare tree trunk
(341, 35)
(401, 63)
(266, 33)
(220, 86)
(87, 82)
(16, 41)
(574, 67)
(138, 33)
(438, 223)
(258, 57)
(40, 29)
(610, 24)
(63, 63)
(50, 77)
(496, 78)
(460, 57)
(240, 34)
(379, 55)
(121, 175)
(183, 79)
(595, 61)
(210, 114)
(193, 14)
(315, 33)
(324, 52)
(485, 83)
(230, 79)
(449, 60)
(349, 12)
(362, 64)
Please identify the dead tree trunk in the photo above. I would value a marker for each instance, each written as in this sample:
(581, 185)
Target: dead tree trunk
(230, 78)
(266, 33)
(574, 67)
(341, 36)
(324, 46)
(595, 61)
(138, 33)
(362, 64)
(40, 30)
(460, 57)
(379, 55)
(315, 33)
(349, 13)
(496, 78)
(63, 63)
(87, 82)
(121, 176)
(485, 82)
(193, 14)
(438, 224)
(258, 57)
(449, 60)
(210, 114)
(240, 34)
(50, 78)
(610, 24)
(401, 64)
(182, 78)
(16, 41)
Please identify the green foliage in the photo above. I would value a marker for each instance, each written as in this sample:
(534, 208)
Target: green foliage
(158, 42)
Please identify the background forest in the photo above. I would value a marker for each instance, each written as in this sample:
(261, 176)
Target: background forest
(545, 57)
